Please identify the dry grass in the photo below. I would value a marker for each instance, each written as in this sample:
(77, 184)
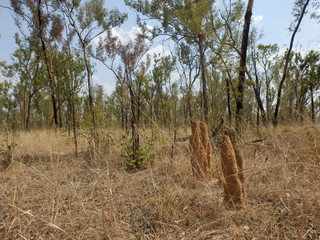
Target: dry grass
(51, 195)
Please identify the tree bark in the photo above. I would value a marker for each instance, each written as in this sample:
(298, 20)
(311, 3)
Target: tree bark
(46, 60)
(205, 104)
(242, 69)
(312, 105)
(229, 100)
(89, 82)
(268, 100)
(257, 93)
(134, 121)
(29, 111)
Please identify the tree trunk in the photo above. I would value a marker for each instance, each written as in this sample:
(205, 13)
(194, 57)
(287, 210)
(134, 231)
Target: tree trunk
(257, 93)
(122, 115)
(258, 117)
(24, 107)
(205, 104)
(312, 104)
(28, 112)
(89, 82)
(286, 63)
(268, 100)
(73, 109)
(46, 60)
(74, 125)
(134, 121)
(189, 105)
(229, 100)
(242, 69)
(60, 110)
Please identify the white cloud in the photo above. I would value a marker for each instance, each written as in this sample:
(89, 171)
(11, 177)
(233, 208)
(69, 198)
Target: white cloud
(159, 50)
(108, 87)
(257, 19)
(124, 35)
(155, 50)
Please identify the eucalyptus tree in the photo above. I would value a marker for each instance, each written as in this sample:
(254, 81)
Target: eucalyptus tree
(120, 103)
(182, 21)
(305, 81)
(269, 64)
(7, 103)
(125, 60)
(43, 24)
(30, 74)
(242, 67)
(69, 69)
(230, 38)
(189, 70)
(313, 79)
(161, 74)
(299, 11)
(88, 20)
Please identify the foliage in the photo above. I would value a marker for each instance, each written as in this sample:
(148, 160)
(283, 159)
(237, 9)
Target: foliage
(44, 83)
(137, 159)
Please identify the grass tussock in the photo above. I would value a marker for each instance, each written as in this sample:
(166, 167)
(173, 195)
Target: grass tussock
(52, 195)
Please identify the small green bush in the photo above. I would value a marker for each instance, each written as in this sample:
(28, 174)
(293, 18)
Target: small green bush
(137, 160)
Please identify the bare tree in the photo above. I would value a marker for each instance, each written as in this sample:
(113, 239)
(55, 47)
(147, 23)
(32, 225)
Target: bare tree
(242, 69)
(299, 12)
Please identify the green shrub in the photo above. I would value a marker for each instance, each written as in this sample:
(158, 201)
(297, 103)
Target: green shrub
(138, 159)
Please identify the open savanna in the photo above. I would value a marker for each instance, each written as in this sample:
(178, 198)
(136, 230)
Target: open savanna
(48, 193)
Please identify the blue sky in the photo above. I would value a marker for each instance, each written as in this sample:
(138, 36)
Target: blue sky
(272, 17)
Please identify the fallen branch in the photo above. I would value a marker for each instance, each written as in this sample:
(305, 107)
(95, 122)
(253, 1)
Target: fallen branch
(182, 139)
(255, 141)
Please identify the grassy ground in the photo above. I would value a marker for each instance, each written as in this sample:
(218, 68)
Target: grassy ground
(46, 193)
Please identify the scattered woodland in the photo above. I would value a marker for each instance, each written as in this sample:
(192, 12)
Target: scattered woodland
(217, 140)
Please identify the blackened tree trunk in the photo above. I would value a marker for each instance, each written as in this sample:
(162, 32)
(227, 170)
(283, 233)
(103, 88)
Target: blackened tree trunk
(257, 92)
(27, 121)
(268, 99)
(205, 104)
(287, 61)
(89, 83)
(242, 69)
(312, 104)
(46, 60)
(134, 121)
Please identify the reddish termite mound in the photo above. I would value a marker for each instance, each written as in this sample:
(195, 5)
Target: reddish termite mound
(201, 151)
(232, 175)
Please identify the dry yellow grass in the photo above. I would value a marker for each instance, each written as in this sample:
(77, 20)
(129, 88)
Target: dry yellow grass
(51, 195)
